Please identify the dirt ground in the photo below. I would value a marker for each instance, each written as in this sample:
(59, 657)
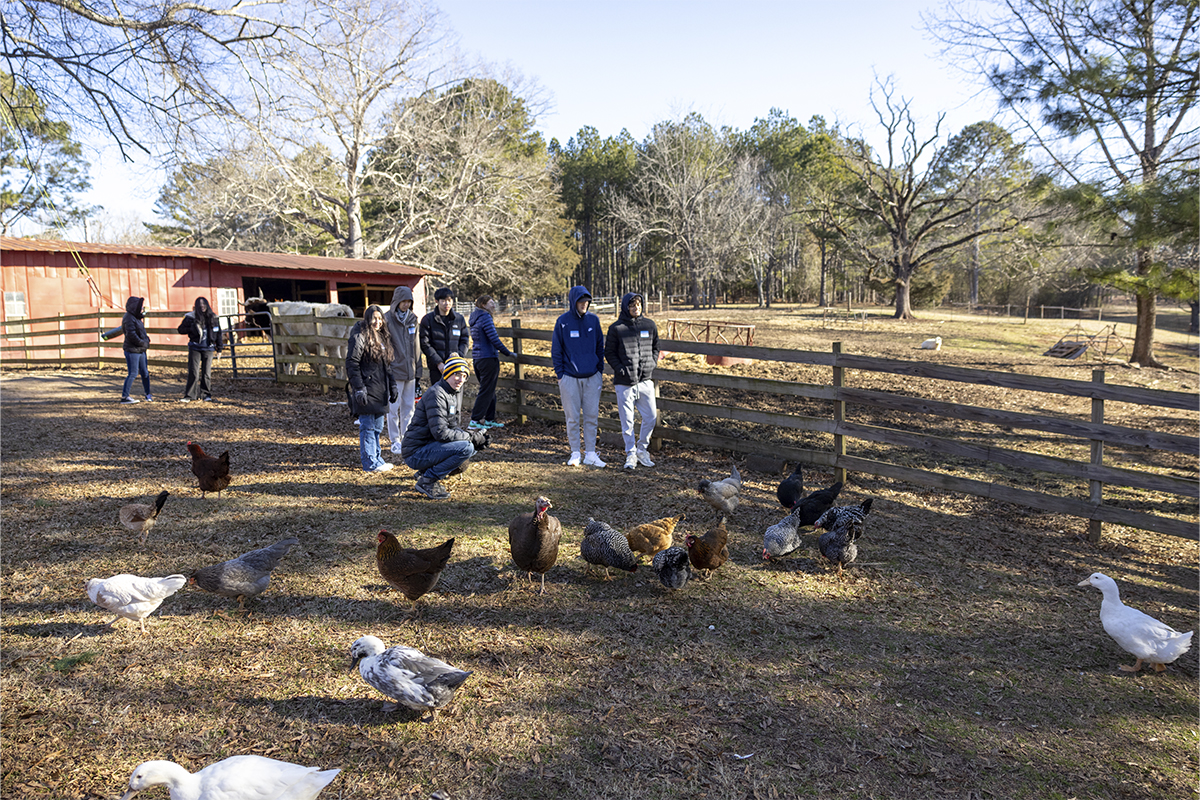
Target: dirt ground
(957, 659)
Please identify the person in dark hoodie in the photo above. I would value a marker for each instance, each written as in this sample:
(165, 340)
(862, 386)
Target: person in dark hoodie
(203, 330)
(402, 326)
(485, 350)
(577, 351)
(137, 341)
(631, 349)
(370, 385)
(444, 333)
(434, 444)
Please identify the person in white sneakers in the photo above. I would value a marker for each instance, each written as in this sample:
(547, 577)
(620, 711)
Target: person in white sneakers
(577, 351)
(631, 349)
(402, 325)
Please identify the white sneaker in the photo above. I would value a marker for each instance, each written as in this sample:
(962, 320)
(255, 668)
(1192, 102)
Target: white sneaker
(643, 458)
(575, 458)
(631, 460)
(593, 460)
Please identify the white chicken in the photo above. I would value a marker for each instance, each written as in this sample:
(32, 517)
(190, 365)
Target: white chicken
(406, 674)
(132, 596)
(1138, 634)
(235, 778)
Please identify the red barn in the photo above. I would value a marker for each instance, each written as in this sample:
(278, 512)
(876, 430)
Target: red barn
(42, 278)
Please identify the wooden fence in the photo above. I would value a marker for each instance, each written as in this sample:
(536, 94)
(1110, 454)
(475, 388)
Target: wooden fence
(76, 341)
(538, 398)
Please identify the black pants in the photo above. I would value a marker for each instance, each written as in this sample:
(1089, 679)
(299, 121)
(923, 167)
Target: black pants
(487, 370)
(199, 367)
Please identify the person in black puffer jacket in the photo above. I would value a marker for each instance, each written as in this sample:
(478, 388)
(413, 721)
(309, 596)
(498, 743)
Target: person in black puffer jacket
(631, 349)
(370, 386)
(137, 341)
(203, 330)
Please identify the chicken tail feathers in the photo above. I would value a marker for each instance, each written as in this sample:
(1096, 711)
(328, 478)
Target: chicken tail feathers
(160, 501)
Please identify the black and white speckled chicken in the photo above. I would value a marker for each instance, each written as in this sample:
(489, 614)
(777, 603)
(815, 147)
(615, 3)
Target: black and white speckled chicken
(672, 567)
(605, 546)
(843, 526)
(722, 495)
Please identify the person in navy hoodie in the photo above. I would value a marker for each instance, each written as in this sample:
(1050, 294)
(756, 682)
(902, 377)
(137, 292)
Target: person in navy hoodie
(485, 349)
(577, 351)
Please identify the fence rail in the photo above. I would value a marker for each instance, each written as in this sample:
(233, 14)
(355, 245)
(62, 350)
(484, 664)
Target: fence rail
(1088, 433)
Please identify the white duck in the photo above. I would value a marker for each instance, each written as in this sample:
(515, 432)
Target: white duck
(132, 596)
(236, 778)
(1137, 633)
(406, 674)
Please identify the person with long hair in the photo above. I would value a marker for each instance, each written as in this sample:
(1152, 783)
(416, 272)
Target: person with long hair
(203, 330)
(370, 386)
(485, 350)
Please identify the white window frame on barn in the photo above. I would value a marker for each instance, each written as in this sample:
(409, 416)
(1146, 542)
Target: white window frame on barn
(14, 305)
(227, 303)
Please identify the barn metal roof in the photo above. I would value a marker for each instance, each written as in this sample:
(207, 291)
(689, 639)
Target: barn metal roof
(232, 257)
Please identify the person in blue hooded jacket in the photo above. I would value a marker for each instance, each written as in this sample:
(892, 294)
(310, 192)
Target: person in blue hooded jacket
(485, 351)
(577, 352)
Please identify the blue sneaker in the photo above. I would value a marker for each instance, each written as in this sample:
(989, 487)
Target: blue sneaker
(477, 426)
(493, 423)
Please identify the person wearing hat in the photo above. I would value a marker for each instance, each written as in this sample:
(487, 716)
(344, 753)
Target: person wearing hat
(434, 444)
(444, 333)
(631, 349)
(577, 351)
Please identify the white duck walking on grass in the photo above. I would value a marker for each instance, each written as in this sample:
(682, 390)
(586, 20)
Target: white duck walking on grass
(236, 778)
(1138, 634)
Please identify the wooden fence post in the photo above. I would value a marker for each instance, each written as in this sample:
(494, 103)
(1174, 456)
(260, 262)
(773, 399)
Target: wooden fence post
(839, 413)
(62, 338)
(518, 369)
(1096, 487)
(99, 338)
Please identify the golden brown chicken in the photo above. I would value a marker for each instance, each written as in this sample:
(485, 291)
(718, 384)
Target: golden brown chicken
(652, 537)
(411, 572)
(212, 472)
(708, 551)
(722, 495)
(142, 516)
(533, 538)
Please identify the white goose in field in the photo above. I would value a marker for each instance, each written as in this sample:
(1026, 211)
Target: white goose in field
(1139, 634)
(236, 778)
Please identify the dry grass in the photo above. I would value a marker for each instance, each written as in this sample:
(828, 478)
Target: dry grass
(957, 660)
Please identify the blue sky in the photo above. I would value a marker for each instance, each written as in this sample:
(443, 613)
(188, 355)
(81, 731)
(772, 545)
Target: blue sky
(615, 64)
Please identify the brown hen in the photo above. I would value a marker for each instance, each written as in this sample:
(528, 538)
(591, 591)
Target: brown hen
(212, 472)
(533, 538)
(411, 572)
(709, 550)
(652, 537)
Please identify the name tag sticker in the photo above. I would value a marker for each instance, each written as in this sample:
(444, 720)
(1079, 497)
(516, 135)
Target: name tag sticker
(454, 331)
(645, 334)
(412, 329)
(574, 334)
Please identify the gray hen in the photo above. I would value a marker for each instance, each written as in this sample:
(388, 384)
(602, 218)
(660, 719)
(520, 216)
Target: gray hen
(843, 525)
(606, 547)
(406, 675)
(722, 495)
(672, 567)
(245, 576)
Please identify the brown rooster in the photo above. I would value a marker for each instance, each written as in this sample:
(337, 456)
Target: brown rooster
(142, 516)
(409, 571)
(533, 538)
(212, 472)
(708, 551)
(652, 537)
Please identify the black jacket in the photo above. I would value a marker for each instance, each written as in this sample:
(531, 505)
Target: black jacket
(435, 419)
(442, 337)
(136, 338)
(363, 372)
(631, 348)
(197, 322)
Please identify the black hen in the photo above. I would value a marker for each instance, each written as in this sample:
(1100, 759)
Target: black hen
(672, 567)
(791, 488)
(810, 509)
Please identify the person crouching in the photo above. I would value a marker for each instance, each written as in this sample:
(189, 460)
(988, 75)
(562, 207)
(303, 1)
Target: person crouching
(434, 444)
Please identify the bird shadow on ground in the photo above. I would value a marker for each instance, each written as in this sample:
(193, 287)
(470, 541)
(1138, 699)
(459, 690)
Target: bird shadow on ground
(359, 710)
(69, 630)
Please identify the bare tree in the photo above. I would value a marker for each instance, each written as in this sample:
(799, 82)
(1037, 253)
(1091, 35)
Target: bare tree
(130, 67)
(916, 210)
(1109, 90)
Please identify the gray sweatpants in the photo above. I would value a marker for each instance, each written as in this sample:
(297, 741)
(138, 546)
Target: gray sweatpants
(581, 406)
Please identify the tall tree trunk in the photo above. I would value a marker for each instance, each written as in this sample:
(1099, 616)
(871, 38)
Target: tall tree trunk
(903, 274)
(1147, 318)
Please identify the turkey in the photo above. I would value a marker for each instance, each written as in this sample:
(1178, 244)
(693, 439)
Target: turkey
(533, 538)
